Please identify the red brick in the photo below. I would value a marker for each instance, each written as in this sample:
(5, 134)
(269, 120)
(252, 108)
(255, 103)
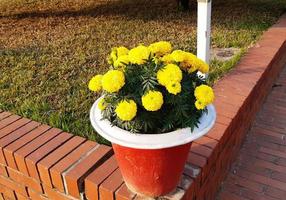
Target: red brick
(228, 97)
(7, 192)
(2, 196)
(228, 186)
(243, 182)
(3, 170)
(197, 160)
(13, 186)
(281, 161)
(4, 141)
(75, 176)
(45, 164)
(268, 126)
(221, 119)
(263, 180)
(13, 126)
(269, 165)
(274, 134)
(40, 153)
(18, 132)
(21, 197)
(225, 195)
(123, 193)
(110, 185)
(206, 141)
(273, 152)
(247, 165)
(4, 115)
(24, 180)
(280, 176)
(54, 194)
(226, 110)
(36, 196)
(24, 151)
(57, 170)
(5, 122)
(254, 195)
(93, 180)
(276, 193)
(237, 86)
(217, 131)
(14, 146)
(201, 150)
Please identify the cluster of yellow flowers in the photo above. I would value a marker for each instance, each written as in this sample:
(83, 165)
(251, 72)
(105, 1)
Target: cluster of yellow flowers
(170, 76)
(159, 51)
(188, 61)
(111, 82)
(204, 95)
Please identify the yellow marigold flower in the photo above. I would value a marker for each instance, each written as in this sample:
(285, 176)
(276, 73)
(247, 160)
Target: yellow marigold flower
(139, 55)
(113, 81)
(167, 59)
(202, 66)
(116, 52)
(204, 94)
(169, 74)
(126, 110)
(189, 62)
(178, 55)
(121, 51)
(174, 88)
(152, 101)
(200, 105)
(101, 104)
(160, 48)
(121, 61)
(95, 83)
(112, 56)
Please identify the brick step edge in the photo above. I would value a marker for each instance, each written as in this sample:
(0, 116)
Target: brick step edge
(41, 162)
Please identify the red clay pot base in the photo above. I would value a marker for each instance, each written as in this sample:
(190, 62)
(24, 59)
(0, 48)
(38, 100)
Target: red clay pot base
(151, 172)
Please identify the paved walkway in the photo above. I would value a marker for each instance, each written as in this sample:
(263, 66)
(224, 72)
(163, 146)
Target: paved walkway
(259, 172)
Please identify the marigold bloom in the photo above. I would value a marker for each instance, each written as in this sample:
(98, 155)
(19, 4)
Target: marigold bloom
(121, 51)
(204, 94)
(113, 81)
(116, 52)
(121, 62)
(95, 83)
(167, 59)
(174, 88)
(161, 48)
(169, 74)
(152, 101)
(126, 110)
(139, 55)
(200, 105)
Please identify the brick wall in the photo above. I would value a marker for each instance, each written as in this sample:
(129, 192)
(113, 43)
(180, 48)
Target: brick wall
(41, 162)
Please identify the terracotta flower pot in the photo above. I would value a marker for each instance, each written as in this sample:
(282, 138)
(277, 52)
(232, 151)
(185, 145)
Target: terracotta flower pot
(151, 164)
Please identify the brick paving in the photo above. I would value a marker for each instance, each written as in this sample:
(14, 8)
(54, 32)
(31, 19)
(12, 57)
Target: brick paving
(259, 172)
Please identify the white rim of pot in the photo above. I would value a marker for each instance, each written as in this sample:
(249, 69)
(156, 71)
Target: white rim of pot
(150, 141)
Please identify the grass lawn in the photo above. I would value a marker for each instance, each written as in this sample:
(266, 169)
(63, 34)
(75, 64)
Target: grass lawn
(49, 49)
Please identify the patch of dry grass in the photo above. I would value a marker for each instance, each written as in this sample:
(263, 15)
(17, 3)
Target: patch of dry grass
(49, 49)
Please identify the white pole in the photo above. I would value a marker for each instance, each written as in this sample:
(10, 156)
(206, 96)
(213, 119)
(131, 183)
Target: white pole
(204, 30)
